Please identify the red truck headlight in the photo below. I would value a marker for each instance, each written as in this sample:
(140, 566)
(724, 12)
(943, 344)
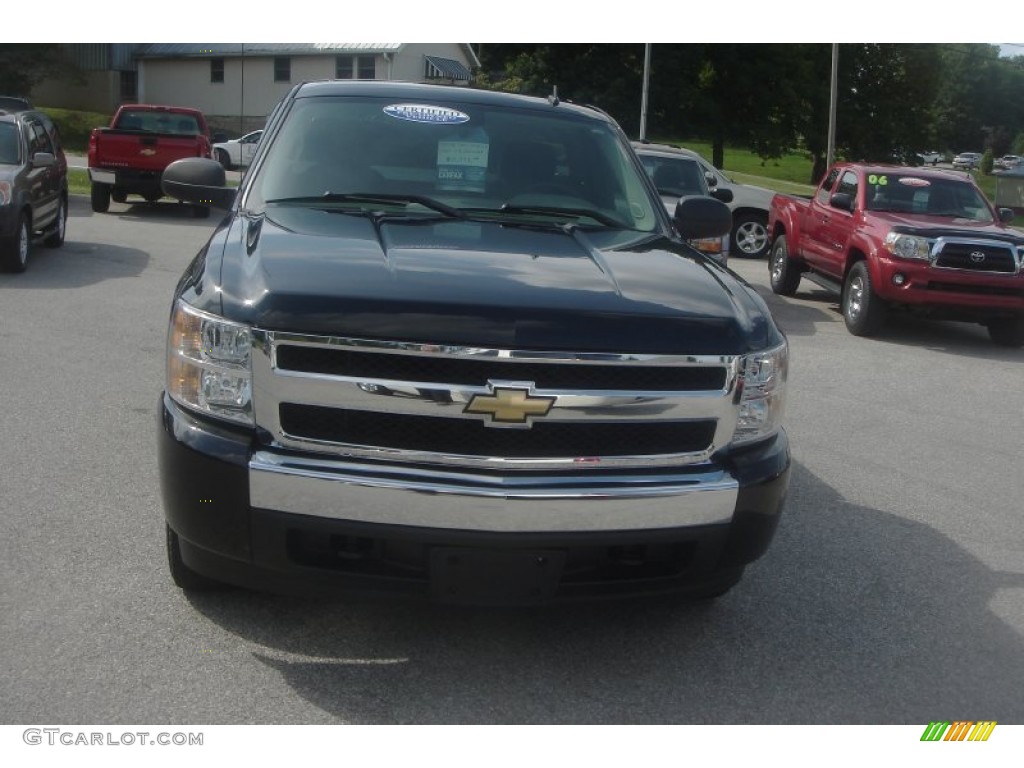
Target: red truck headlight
(908, 246)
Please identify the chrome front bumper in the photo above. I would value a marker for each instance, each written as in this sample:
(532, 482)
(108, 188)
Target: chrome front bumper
(411, 496)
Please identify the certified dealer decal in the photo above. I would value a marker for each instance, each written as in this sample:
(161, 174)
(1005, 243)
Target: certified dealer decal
(426, 113)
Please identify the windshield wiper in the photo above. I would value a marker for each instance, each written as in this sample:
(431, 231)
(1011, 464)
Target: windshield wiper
(552, 210)
(374, 197)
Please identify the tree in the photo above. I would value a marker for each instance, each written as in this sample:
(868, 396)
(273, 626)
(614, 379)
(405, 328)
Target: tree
(24, 65)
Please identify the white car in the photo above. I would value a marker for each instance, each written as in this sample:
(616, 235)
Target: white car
(237, 153)
(931, 157)
(967, 161)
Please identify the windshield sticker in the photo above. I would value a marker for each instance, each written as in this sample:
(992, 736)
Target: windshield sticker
(462, 165)
(915, 182)
(426, 113)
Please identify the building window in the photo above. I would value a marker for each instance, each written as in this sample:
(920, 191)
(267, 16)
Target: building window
(355, 67)
(129, 87)
(282, 69)
(216, 70)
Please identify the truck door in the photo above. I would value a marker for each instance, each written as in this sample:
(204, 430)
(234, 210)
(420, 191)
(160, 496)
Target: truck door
(839, 225)
(813, 247)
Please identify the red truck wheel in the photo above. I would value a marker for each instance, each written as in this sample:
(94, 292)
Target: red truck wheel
(784, 274)
(863, 311)
(1007, 333)
(100, 198)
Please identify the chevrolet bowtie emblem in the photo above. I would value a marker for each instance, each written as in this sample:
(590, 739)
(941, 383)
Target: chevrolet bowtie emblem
(509, 405)
(147, 152)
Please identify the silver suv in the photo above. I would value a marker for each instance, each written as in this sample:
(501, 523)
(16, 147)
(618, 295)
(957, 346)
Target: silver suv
(749, 205)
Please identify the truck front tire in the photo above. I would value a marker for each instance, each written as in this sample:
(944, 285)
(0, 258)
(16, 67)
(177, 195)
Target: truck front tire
(784, 274)
(863, 311)
(184, 577)
(100, 197)
(1007, 333)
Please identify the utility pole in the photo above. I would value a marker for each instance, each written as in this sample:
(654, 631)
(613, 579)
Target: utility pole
(833, 100)
(643, 100)
(241, 106)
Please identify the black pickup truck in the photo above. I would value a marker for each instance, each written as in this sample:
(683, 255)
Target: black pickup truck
(449, 342)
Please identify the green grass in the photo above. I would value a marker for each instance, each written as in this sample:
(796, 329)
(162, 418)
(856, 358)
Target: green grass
(78, 181)
(76, 126)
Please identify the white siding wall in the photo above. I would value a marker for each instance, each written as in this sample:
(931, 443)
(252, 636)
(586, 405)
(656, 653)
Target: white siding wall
(409, 64)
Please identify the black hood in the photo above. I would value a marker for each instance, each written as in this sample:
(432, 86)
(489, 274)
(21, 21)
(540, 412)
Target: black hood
(458, 282)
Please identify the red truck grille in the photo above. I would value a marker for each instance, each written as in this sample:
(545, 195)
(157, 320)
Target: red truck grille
(977, 257)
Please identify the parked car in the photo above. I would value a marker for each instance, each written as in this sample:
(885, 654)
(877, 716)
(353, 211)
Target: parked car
(448, 342)
(237, 153)
(14, 104)
(749, 206)
(676, 174)
(967, 161)
(1006, 162)
(930, 157)
(33, 186)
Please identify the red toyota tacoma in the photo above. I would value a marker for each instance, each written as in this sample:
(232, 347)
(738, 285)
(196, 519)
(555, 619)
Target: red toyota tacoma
(129, 157)
(884, 237)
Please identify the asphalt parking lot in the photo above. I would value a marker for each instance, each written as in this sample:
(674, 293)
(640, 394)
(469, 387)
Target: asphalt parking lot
(893, 593)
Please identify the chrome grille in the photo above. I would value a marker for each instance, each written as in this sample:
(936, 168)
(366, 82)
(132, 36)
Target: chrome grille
(411, 403)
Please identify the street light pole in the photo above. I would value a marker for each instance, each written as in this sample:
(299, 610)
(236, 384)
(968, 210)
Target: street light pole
(833, 100)
(643, 100)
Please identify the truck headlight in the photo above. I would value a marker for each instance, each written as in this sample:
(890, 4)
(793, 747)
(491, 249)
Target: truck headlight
(208, 364)
(763, 394)
(908, 246)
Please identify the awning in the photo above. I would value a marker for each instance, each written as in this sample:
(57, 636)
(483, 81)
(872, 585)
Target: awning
(446, 69)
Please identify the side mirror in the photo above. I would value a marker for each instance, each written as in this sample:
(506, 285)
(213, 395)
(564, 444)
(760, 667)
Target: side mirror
(43, 160)
(725, 195)
(697, 217)
(843, 200)
(1006, 215)
(198, 180)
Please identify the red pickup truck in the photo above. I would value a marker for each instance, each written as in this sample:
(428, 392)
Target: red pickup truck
(130, 156)
(884, 237)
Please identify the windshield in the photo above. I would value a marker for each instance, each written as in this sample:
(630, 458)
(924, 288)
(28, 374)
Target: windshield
(927, 197)
(675, 176)
(352, 153)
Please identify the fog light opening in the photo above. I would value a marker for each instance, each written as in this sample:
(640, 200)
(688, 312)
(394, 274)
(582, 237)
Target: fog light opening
(899, 279)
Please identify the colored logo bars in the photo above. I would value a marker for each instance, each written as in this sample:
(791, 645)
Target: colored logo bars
(960, 730)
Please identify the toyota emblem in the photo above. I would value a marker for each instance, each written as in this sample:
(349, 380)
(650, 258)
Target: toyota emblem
(977, 257)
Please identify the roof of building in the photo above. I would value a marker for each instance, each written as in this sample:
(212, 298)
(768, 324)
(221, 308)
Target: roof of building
(227, 50)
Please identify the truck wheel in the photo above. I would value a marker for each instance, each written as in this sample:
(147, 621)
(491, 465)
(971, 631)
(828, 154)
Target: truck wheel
(152, 197)
(1007, 332)
(719, 584)
(56, 238)
(224, 159)
(100, 198)
(184, 577)
(785, 275)
(14, 250)
(863, 311)
(118, 195)
(750, 236)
